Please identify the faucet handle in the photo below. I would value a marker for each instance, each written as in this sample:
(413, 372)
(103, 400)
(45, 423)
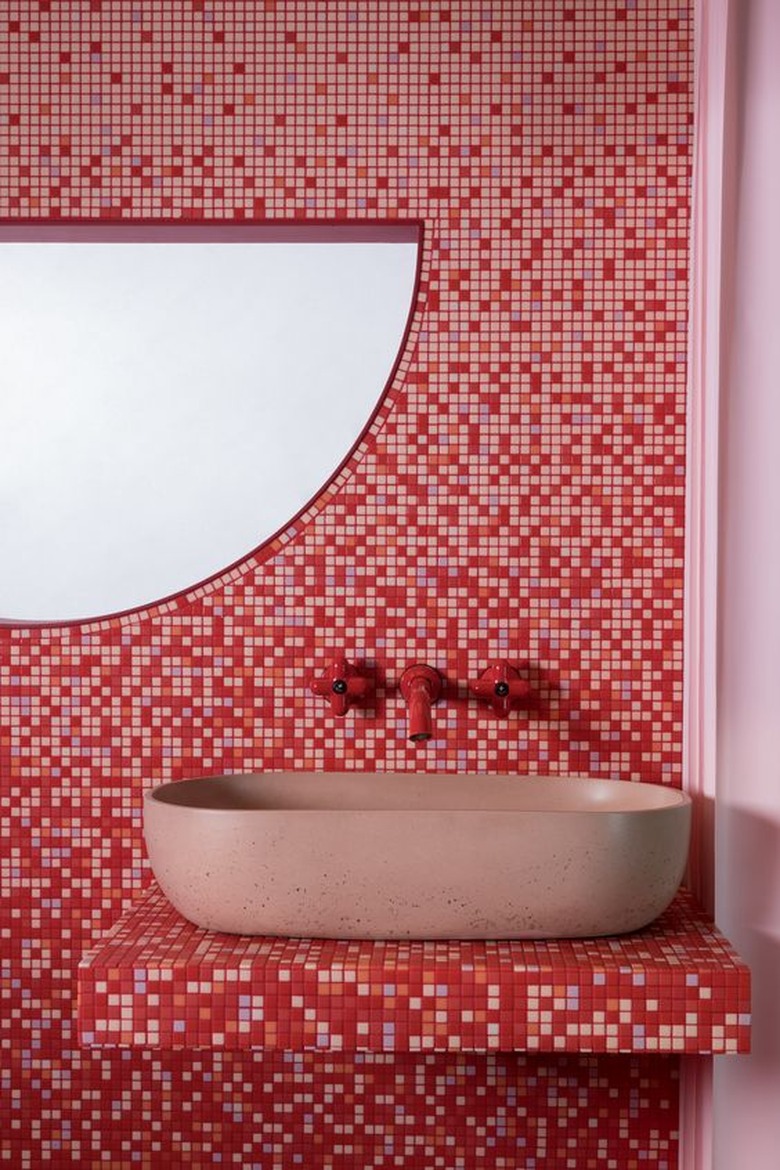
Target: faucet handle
(341, 684)
(501, 686)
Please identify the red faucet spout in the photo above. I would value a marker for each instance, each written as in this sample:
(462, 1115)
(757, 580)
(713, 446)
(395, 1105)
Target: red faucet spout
(420, 722)
(421, 687)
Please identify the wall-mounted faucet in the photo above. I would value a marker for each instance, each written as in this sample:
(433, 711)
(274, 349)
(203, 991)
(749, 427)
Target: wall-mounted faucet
(421, 686)
(501, 686)
(341, 684)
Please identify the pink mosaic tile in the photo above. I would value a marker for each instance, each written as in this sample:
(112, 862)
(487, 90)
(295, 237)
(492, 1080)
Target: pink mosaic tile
(519, 496)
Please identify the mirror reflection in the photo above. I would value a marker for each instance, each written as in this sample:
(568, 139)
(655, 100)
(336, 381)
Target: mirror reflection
(171, 398)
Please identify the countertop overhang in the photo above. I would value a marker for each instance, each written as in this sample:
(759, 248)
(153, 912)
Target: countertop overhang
(157, 981)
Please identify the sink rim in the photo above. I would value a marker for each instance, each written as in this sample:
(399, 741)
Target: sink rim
(417, 793)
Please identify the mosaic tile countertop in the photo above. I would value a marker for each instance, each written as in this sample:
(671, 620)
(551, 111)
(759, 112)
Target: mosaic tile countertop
(157, 981)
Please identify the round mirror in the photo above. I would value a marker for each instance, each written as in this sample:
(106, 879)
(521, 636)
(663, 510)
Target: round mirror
(171, 397)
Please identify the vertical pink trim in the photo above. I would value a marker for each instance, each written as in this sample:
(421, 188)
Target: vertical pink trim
(696, 1147)
(699, 742)
(699, 733)
(747, 1091)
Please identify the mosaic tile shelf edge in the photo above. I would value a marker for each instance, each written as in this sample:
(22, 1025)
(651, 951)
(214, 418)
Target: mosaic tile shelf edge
(157, 981)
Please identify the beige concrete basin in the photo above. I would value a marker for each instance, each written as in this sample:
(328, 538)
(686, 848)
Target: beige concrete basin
(352, 855)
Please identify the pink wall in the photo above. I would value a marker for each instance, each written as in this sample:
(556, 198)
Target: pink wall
(747, 1125)
(520, 496)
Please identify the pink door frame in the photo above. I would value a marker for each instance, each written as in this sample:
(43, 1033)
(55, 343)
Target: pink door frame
(700, 729)
(732, 700)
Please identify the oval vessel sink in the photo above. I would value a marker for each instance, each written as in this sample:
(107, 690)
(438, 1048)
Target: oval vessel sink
(353, 855)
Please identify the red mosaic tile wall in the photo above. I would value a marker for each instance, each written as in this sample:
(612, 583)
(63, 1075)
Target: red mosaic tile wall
(521, 496)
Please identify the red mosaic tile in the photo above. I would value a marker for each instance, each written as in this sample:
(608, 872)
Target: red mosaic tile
(158, 981)
(519, 496)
